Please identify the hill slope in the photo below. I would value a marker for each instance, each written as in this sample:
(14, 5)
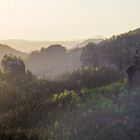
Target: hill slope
(5, 49)
(117, 51)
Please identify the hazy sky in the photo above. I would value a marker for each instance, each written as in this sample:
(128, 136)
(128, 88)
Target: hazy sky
(67, 19)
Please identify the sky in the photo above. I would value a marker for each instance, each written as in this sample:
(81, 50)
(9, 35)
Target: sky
(67, 19)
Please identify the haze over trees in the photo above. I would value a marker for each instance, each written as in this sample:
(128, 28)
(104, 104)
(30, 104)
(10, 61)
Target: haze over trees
(87, 97)
(116, 52)
(53, 61)
(38, 61)
(58, 81)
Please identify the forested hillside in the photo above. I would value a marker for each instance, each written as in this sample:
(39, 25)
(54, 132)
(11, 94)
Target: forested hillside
(97, 106)
(69, 70)
(93, 102)
(116, 52)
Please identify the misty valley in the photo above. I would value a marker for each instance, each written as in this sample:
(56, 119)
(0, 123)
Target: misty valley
(89, 92)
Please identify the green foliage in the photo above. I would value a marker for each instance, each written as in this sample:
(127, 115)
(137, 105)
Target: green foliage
(36, 109)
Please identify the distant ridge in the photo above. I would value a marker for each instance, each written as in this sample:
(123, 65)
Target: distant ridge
(5, 49)
(84, 43)
(29, 46)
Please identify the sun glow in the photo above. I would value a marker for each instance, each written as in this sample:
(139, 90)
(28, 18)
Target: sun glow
(66, 20)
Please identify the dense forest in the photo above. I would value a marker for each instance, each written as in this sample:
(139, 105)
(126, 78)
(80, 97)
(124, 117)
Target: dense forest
(88, 97)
